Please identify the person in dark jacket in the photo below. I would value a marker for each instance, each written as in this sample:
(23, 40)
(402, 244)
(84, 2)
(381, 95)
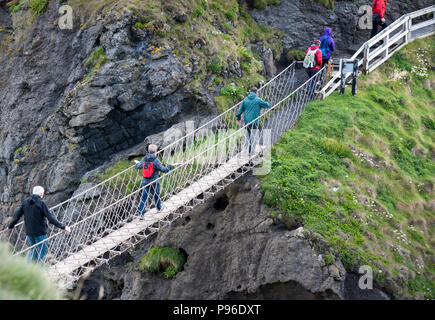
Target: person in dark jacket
(251, 107)
(327, 46)
(35, 213)
(378, 17)
(153, 188)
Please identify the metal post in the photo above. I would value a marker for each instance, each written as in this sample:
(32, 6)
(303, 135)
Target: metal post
(343, 76)
(355, 76)
(408, 29)
(366, 59)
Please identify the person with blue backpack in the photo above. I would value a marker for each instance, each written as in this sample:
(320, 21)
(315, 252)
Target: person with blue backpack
(327, 46)
(151, 166)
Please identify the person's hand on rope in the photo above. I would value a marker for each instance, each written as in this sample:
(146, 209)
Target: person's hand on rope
(383, 20)
(176, 164)
(67, 229)
(136, 161)
(239, 122)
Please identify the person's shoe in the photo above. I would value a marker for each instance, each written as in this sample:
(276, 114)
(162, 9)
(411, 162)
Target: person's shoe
(245, 152)
(259, 148)
(161, 209)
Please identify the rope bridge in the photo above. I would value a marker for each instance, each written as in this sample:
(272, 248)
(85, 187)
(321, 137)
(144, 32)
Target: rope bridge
(104, 219)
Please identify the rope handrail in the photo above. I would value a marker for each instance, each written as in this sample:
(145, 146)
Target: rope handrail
(81, 194)
(403, 20)
(175, 142)
(275, 81)
(276, 118)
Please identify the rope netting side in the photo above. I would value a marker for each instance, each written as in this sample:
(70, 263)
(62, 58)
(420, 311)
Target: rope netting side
(179, 188)
(117, 187)
(123, 213)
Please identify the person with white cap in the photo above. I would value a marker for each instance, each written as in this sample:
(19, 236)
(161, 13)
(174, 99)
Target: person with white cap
(35, 212)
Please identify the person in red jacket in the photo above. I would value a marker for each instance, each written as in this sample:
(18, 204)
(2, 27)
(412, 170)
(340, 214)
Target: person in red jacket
(312, 64)
(314, 48)
(378, 16)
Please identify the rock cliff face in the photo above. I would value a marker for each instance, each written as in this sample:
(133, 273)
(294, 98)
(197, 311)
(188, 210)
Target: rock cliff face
(57, 123)
(234, 251)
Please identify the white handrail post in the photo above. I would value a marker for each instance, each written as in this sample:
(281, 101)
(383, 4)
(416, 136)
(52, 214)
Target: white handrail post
(366, 58)
(386, 44)
(408, 25)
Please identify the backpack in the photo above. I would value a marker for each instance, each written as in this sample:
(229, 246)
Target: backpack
(148, 171)
(310, 59)
(324, 47)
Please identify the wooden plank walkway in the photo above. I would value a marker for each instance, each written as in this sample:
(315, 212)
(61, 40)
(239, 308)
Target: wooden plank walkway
(67, 266)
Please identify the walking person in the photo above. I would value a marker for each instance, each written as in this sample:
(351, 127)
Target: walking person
(151, 166)
(327, 46)
(312, 63)
(251, 107)
(35, 213)
(378, 18)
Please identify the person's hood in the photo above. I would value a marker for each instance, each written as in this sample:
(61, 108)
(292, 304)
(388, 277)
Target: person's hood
(328, 32)
(150, 157)
(33, 198)
(252, 96)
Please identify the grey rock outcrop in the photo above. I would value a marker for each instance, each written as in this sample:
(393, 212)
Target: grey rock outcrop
(57, 121)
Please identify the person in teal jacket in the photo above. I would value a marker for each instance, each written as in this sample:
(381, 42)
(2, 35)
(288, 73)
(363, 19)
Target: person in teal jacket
(251, 107)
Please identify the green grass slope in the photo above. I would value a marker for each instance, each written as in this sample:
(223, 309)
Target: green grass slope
(358, 173)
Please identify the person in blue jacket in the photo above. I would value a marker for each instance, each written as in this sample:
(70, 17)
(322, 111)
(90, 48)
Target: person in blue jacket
(251, 107)
(153, 188)
(327, 46)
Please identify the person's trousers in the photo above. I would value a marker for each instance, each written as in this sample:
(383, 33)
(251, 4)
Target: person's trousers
(252, 132)
(154, 190)
(312, 84)
(38, 252)
(376, 24)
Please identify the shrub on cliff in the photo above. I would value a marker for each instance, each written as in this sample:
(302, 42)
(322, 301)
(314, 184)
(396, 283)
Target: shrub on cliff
(166, 261)
(262, 4)
(21, 280)
(38, 6)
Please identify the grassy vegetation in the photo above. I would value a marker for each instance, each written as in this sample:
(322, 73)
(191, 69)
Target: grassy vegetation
(295, 54)
(38, 7)
(358, 172)
(95, 61)
(16, 5)
(327, 3)
(166, 261)
(20, 280)
(262, 4)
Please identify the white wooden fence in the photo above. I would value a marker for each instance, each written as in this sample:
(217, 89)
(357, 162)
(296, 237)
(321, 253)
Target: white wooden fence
(407, 28)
